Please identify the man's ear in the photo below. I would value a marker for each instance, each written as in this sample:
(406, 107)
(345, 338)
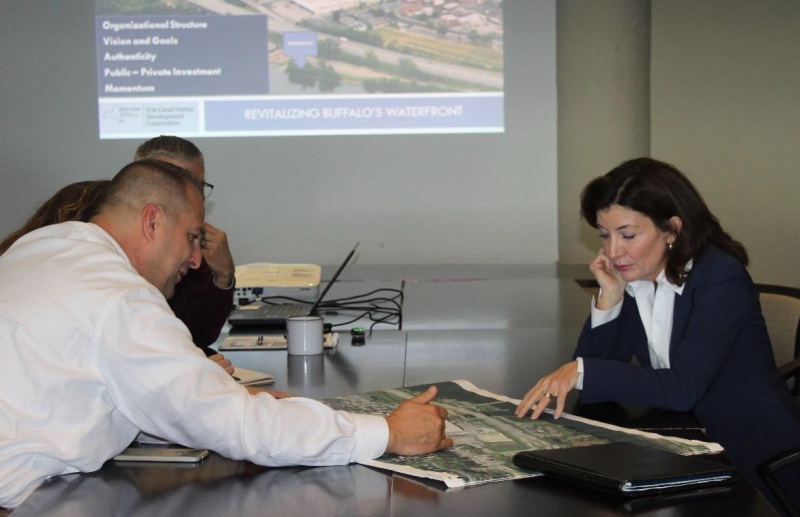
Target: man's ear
(152, 220)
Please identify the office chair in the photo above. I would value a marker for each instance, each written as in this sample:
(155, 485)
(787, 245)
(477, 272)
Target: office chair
(781, 308)
(768, 471)
(791, 370)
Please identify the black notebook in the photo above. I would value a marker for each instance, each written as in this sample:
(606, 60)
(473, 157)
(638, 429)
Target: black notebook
(627, 469)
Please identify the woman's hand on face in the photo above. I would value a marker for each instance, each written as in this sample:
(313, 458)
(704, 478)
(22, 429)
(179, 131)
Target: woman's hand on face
(612, 286)
(556, 385)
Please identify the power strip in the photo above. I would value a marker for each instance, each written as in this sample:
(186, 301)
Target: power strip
(247, 295)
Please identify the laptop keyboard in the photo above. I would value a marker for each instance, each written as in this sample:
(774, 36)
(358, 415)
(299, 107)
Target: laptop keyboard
(286, 310)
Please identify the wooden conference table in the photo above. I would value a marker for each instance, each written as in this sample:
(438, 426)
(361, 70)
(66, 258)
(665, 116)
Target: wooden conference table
(500, 328)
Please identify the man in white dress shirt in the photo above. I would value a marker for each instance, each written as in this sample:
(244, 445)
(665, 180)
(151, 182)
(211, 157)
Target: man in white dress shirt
(93, 354)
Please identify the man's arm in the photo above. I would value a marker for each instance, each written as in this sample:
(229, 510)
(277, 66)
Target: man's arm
(204, 298)
(201, 306)
(217, 255)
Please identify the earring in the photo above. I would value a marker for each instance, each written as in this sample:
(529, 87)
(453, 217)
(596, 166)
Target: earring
(669, 246)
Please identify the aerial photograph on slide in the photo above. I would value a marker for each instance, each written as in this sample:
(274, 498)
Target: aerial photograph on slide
(362, 46)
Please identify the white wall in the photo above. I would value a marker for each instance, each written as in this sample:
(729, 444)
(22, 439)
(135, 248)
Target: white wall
(726, 110)
(603, 105)
(718, 97)
(408, 199)
(710, 86)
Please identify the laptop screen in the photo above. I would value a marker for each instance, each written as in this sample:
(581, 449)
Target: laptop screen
(333, 279)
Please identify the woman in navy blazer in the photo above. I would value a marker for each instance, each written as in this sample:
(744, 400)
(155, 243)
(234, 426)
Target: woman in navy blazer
(676, 296)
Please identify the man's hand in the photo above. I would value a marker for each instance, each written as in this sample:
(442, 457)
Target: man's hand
(217, 255)
(415, 427)
(279, 394)
(223, 362)
(255, 390)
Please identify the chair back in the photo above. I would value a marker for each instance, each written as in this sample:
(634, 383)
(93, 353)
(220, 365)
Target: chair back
(780, 306)
(770, 471)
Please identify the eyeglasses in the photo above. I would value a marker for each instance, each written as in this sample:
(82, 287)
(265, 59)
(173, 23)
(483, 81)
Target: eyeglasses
(208, 188)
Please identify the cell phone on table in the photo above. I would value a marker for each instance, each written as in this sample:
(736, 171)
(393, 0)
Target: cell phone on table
(172, 454)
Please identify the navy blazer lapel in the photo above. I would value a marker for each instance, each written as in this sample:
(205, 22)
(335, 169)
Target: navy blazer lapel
(680, 316)
(634, 328)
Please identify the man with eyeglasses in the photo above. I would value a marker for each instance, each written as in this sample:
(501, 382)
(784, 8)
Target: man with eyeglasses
(204, 298)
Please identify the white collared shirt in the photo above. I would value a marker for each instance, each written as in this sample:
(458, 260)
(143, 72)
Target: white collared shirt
(656, 303)
(93, 355)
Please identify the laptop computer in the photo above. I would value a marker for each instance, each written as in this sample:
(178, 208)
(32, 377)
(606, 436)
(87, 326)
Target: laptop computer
(274, 316)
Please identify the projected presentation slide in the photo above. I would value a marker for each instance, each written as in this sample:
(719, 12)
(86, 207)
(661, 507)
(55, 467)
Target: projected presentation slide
(298, 67)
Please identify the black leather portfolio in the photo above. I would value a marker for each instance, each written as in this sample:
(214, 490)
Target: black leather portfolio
(627, 469)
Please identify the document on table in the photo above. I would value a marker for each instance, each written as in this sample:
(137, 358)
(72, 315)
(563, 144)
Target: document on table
(487, 434)
(247, 377)
(269, 342)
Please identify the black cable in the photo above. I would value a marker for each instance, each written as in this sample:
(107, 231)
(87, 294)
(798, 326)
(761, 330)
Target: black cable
(386, 309)
(372, 303)
(375, 321)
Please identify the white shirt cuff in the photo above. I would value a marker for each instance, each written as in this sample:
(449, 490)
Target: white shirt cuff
(372, 436)
(579, 384)
(601, 316)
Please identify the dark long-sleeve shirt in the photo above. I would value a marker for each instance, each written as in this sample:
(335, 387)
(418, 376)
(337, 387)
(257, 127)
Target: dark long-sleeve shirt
(202, 306)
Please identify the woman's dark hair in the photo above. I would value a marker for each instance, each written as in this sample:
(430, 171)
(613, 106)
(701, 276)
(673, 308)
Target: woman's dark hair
(660, 191)
(75, 202)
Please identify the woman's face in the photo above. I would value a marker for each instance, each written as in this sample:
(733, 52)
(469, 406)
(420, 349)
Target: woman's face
(636, 248)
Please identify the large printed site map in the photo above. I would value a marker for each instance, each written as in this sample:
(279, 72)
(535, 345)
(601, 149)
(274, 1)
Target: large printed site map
(487, 434)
